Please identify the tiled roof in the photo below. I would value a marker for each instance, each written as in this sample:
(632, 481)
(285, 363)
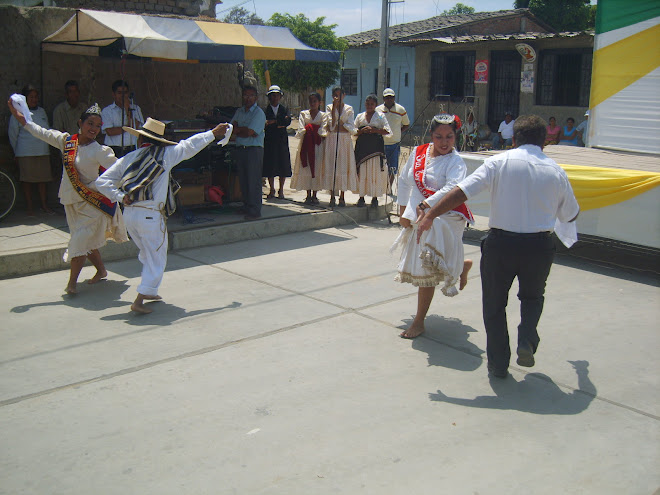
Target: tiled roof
(497, 37)
(417, 29)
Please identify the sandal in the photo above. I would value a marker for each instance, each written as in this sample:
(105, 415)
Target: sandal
(332, 202)
(270, 195)
(280, 195)
(341, 202)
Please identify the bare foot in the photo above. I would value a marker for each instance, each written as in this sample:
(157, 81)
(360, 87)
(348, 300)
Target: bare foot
(152, 298)
(71, 289)
(467, 264)
(412, 332)
(141, 308)
(98, 277)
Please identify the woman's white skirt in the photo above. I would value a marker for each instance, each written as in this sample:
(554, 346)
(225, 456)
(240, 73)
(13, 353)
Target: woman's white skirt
(372, 181)
(344, 178)
(302, 179)
(437, 259)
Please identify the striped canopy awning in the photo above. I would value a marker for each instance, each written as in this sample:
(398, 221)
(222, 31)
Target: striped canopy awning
(95, 33)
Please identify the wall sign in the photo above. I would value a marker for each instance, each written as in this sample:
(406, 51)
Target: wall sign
(481, 71)
(526, 51)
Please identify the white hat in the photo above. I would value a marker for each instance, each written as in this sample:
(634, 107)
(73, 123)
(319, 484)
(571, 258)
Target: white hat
(388, 92)
(586, 114)
(274, 89)
(152, 128)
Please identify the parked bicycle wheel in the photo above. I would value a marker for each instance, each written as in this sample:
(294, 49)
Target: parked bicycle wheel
(7, 194)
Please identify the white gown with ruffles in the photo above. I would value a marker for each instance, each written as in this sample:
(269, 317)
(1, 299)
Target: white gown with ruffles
(438, 258)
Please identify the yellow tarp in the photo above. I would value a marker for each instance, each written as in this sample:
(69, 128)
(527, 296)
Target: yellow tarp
(596, 187)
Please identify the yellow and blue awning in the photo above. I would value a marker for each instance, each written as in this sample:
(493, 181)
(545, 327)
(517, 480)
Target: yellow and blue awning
(95, 33)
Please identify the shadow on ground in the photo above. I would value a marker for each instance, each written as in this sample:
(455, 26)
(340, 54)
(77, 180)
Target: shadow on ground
(448, 332)
(96, 297)
(536, 393)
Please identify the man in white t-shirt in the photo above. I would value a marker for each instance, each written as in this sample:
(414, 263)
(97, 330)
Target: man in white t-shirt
(529, 192)
(504, 136)
(399, 122)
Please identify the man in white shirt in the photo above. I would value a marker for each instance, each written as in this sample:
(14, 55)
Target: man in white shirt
(67, 114)
(141, 182)
(399, 122)
(121, 113)
(528, 193)
(583, 129)
(504, 136)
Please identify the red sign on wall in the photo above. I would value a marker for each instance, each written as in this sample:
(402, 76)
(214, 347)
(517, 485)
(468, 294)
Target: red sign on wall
(481, 71)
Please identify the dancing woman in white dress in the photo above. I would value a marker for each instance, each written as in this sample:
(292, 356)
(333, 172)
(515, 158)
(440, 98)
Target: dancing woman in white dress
(431, 171)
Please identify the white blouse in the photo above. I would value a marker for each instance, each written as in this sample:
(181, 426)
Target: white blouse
(305, 118)
(88, 159)
(347, 119)
(441, 174)
(378, 120)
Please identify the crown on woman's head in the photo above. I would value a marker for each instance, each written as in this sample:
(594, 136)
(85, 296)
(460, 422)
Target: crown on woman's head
(95, 108)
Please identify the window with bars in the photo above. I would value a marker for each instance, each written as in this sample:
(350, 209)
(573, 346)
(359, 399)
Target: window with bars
(564, 77)
(452, 73)
(349, 81)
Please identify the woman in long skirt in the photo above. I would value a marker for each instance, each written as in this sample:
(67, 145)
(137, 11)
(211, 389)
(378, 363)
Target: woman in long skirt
(372, 127)
(308, 168)
(92, 218)
(432, 170)
(339, 172)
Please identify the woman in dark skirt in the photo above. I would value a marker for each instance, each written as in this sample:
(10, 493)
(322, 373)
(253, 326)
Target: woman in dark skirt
(277, 160)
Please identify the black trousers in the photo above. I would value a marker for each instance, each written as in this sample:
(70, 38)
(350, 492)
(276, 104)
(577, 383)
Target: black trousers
(505, 256)
(249, 161)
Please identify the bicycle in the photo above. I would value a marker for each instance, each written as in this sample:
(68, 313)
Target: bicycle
(7, 194)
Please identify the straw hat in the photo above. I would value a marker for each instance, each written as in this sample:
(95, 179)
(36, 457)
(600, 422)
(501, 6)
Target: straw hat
(152, 128)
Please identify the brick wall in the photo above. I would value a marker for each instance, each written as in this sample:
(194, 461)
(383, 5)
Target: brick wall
(177, 7)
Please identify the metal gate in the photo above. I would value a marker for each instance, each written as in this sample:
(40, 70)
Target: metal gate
(504, 86)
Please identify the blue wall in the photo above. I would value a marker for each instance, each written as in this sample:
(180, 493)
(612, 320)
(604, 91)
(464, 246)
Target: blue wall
(400, 61)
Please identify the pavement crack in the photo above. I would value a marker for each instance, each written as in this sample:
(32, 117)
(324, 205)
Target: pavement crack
(178, 357)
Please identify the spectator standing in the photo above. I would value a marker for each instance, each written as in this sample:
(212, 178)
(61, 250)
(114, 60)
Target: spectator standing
(277, 159)
(32, 154)
(399, 122)
(121, 113)
(67, 114)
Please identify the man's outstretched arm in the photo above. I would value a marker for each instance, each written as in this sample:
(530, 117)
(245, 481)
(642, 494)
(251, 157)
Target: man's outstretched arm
(448, 202)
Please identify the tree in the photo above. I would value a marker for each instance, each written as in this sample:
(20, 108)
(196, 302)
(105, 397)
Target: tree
(238, 15)
(459, 8)
(562, 15)
(521, 4)
(304, 76)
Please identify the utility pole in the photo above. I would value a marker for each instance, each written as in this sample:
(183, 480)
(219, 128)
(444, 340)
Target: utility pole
(382, 54)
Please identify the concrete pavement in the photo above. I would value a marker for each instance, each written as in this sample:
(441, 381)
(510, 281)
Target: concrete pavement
(273, 366)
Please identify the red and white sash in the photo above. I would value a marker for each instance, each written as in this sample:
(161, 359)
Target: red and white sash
(419, 166)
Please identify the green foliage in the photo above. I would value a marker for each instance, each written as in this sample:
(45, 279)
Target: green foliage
(563, 15)
(304, 76)
(459, 8)
(592, 17)
(521, 4)
(238, 15)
